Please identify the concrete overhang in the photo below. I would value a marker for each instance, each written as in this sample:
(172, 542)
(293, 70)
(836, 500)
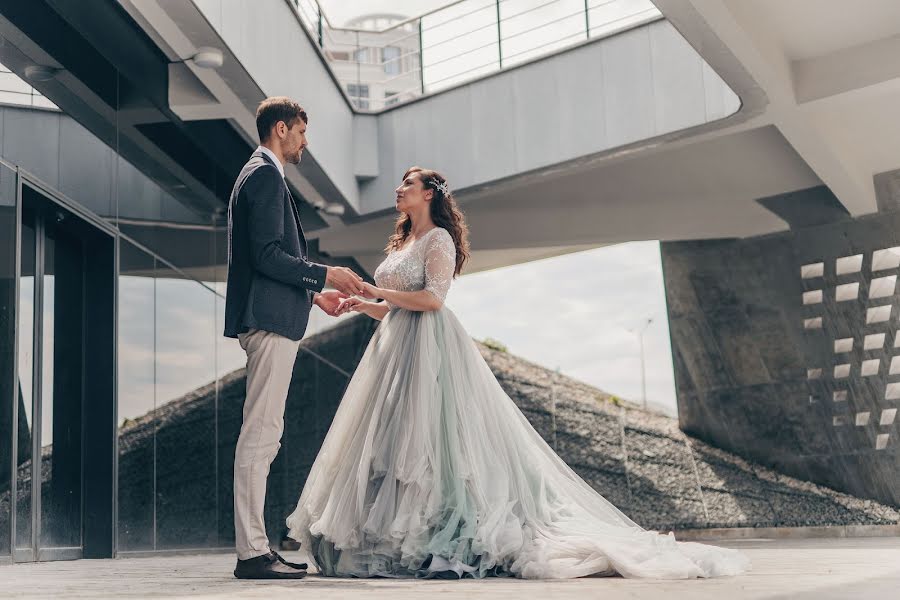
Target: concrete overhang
(637, 136)
(829, 71)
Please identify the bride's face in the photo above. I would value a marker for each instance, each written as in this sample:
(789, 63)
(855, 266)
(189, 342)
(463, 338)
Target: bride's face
(412, 195)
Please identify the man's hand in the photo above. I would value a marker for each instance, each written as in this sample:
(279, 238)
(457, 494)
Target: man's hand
(330, 302)
(344, 280)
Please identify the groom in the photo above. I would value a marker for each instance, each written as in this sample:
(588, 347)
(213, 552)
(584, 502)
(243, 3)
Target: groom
(271, 289)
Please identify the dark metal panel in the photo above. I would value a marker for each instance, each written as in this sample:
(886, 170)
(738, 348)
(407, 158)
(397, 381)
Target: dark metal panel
(37, 381)
(67, 203)
(100, 400)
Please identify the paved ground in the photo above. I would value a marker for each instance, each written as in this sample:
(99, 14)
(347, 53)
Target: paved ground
(821, 569)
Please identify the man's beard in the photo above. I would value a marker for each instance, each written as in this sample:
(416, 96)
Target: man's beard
(294, 158)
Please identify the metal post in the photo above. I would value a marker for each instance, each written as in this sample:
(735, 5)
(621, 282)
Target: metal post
(37, 384)
(499, 37)
(587, 20)
(421, 60)
(643, 375)
(643, 368)
(320, 19)
(357, 56)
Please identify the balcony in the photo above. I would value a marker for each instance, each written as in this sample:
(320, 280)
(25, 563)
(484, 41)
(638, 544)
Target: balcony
(384, 60)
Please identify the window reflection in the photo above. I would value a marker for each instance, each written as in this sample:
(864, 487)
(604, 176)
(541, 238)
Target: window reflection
(25, 369)
(136, 400)
(62, 361)
(186, 490)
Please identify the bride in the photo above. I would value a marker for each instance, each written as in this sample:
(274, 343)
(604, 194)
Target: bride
(430, 470)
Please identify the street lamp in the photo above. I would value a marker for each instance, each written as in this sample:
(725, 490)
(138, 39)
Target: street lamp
(640, 333)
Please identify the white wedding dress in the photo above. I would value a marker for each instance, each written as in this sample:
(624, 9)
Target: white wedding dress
(429, 467)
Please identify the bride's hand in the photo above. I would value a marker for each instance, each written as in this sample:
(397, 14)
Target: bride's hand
(351, 304)
(370, 291)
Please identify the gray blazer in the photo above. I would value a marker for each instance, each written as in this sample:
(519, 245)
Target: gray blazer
(270, 281)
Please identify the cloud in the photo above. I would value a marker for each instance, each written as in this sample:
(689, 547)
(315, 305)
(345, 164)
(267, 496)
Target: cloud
(574, 313)
(571, 312)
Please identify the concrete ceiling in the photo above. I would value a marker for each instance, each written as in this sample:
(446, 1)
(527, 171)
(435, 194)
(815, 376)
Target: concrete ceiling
(820, 83)
(829, 71)
(810, 28)
(672, 192)
(820, 87)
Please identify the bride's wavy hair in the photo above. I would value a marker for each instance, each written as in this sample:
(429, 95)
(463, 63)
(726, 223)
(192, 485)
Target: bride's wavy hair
(444, 212)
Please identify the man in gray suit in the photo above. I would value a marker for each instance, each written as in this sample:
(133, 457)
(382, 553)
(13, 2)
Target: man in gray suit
(271, 289)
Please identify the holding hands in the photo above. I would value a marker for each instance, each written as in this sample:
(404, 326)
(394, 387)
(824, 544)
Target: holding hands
(346, 284)
(344, 280)
(330, 302)
(370, 291)
(336, 302)
(360, 304)
(351, 305)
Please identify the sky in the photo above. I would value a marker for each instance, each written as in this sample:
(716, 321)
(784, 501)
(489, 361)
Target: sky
(579, 313)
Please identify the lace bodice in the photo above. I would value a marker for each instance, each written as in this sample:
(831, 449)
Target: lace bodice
(425, 264)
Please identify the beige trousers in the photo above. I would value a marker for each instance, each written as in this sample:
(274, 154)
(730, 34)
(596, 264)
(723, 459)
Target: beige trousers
(270, 364)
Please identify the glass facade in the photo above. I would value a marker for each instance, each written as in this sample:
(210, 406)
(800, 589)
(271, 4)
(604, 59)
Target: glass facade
(175, 460)
(174, 472)
(61, 408)
(186, 411)
(137, 399)
(175, 441)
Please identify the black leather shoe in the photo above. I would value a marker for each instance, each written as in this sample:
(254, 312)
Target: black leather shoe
(267, 566)
(300, 566)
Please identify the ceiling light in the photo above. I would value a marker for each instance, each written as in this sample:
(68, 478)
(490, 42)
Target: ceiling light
(39, 73)
(207, 57)
(333, 208)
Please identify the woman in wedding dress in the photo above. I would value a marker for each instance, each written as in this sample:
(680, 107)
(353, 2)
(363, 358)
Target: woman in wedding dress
(430, 470)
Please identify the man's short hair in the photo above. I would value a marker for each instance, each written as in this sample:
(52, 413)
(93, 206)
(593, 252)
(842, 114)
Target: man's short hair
(277, 108)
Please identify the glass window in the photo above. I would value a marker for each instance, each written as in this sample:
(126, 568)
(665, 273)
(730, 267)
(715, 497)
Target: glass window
(186, 488)
(62, 363)
(13, 90)
(359, 94)
(136, 399)
(390, 58)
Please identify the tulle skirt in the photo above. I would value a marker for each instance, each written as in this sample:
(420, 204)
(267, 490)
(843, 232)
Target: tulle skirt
(430, 469)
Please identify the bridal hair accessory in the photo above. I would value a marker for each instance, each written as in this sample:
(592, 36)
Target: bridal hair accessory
(445, 189)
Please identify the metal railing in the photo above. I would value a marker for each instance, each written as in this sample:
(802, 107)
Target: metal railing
(458, 42)
(14, 90)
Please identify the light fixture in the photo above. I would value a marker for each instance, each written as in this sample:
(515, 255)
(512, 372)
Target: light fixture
(208, 57)
(333, 208)
(38, 73)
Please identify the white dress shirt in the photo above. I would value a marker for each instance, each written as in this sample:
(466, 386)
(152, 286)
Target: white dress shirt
(274, 158)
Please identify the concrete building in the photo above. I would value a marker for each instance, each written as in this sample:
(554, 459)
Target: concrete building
(758, 141)
(375, 59)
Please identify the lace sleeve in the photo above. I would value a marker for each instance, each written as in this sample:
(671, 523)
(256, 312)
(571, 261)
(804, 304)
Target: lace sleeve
(440, 263)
